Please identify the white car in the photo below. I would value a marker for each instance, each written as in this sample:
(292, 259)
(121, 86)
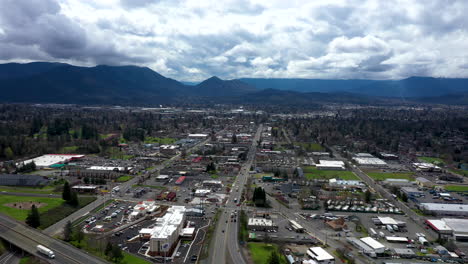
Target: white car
(177, 254)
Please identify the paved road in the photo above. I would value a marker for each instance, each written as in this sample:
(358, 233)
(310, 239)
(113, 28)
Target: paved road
(28, 238)
(226, 231)
(9, 258)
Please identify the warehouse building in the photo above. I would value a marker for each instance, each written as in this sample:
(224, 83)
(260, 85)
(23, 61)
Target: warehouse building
(22, 180)
(212, 184)
(445, 209)
(46, 161)
(370, 161)
(450, 228)
(412, 192)
(261, 224)
(376, 246)
(330, 165)
(320, 255)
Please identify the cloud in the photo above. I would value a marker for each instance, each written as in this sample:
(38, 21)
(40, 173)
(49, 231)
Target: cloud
(193, 40)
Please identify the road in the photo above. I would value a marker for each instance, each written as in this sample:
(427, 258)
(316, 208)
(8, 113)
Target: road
(28, 238)
(9, 258)
(226, 233)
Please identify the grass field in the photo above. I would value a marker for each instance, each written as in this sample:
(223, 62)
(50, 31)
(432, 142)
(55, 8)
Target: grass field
(310, 146)
(46, 190)
(123, 178)
(131, 259)
(70, 149)
(432, 160)
(313, 173)
(380, 176)
(163, 141)
(459, 172)
(261, 252)
(57, 213)
(21, 214)
(456, 188)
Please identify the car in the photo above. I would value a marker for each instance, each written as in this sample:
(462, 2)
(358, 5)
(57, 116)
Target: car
(194, 258)
(178, 254)
(223, 231)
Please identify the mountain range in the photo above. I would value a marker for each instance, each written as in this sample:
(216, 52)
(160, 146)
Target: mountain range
(44, 82)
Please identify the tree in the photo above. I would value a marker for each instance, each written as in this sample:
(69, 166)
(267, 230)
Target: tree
(234, 139)
(74, 199)
(8, 152)
(66, 193)
(117, 254)
(108, 249)
(274, 258)
(68, 231)
(367, 196)
(33, 219)
(79, 235)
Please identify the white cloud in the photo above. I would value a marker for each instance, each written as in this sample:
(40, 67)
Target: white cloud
(193, 40)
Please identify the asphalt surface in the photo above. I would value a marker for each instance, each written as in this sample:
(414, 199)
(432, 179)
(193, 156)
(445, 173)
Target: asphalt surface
(28, 239)
(9, 258)
(225, 237)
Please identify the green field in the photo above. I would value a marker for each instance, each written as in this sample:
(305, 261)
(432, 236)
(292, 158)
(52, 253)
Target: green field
(21, 214)
(432, 160)
(310, 146)
(57, 213)
(459, 172)
(313, 173)
(70, 149)
(162, 141)
(261, 252)
(44, 190)
(456, 188)
(123, 178)
(381, 176)
(131, 259)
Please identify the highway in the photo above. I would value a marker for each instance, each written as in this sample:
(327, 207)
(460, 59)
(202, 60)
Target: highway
(226, 232)
(28, 238)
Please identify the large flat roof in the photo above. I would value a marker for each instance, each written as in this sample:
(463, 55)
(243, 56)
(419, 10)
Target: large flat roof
(439, 225)
(458, 225)
(387, 220)
(51, 159)
(372, 243)
(319, 254)
(445, 207)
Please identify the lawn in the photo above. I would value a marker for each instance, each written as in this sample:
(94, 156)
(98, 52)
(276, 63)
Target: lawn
(261, 252)
(129, 258)
(21, 214)
(44, 190)
(381, 176)
(162, 141)
(432, 160)
(312, 173)
(456, 188)
(57, 213)
(123, 178)
(311, 146)
(459, 172)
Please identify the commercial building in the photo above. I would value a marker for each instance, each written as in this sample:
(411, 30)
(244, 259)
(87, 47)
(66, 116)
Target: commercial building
(168, 149)
(85, 188)
(444, 209)
(376, 246)
(22, 180)
(46, 161)
(142, 208)
(330, 165)
(366, 249)
(163, 237)
(423, 166)
(212, 184)
(369, 161)
(102, 172)
(450, 228)
(202, 192)
(423, 182)
(198, 135)
(412, 192)
(320, 255)
(261, 224)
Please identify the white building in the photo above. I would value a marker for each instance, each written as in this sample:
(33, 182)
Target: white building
(330, 165)
(445, 209)
(202, 192)
(376, 246)
(261, 224)
(425, 166)
(166, 231)
(369, 161)
(45, 161)
(212, 183)
(320, 255)
(143, 208)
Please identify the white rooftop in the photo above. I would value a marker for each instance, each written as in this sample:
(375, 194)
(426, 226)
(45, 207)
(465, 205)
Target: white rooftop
(106, 168)
(440, 225)
(51, 159)
(369, 161)
(445, 207)
(260, 222)
(332, 163)
(458, 225)
(319, 254)
(387, 220)
(374, 244)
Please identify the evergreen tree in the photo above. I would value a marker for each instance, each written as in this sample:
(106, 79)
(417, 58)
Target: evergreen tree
(117, 254)
(74, 199)
(66, 193)
(234, 139)
(33, 219)
(367, 196)
(274, 258)
(79, 235)
(108, 249)
(68, 231)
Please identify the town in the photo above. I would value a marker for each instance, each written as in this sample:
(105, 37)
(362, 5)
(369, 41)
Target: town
(234, 185)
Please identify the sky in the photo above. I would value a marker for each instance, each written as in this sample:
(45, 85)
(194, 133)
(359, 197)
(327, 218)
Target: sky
(191, 40)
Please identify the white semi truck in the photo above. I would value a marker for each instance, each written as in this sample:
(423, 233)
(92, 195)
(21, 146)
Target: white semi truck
(49, 253)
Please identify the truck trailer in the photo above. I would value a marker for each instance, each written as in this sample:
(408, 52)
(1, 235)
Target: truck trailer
(49, 253)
